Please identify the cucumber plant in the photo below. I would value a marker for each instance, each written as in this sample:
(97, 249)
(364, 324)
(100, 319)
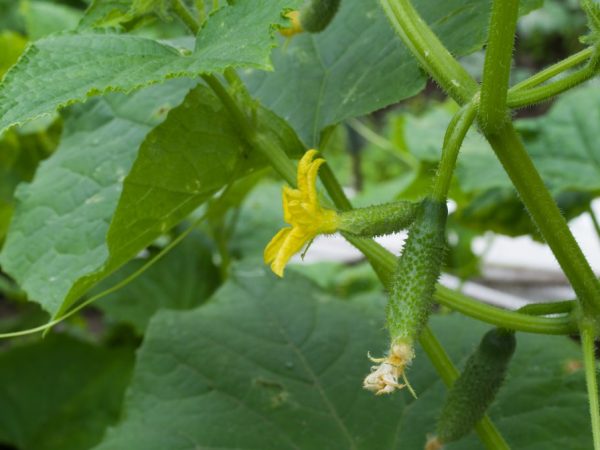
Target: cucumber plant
(174, 114)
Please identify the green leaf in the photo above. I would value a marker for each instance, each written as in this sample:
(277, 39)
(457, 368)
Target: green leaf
(114, 215)
(106, 13)
(182, 279)
(60, 393)
(67, 68)
(282, 364)
(358, 64)
(563, 143)
(44, 18)
(59, 229)
(260, 217)
(355, 66)
(158, 7)
(21, 151)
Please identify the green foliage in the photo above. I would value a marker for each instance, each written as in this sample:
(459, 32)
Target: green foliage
(59, 229)
(61, 393)
(560, 143)
(281, 364)
(322, 66)
(182, 279)
(180, 164)
(66, 68)
(44, 18)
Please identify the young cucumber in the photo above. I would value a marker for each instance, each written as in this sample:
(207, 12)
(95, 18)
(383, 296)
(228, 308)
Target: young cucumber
(418, 269)
(477, 386)
(317, 14)
(378, 220)
(417, 273)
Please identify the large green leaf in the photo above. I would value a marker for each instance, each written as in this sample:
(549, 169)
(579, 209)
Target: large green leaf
(182, 163)
(66, 68)
(271, 364)
(358, 64)
(60, 393)
(182, 279)
(59, 229)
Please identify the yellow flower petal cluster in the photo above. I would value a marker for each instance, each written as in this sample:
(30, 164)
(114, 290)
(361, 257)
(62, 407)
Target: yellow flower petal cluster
(301, 209)
(295, 26)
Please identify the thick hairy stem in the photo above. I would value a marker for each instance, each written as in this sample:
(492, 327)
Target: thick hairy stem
(547, 217)
(429, 50)
(588, 334)
(498, 61)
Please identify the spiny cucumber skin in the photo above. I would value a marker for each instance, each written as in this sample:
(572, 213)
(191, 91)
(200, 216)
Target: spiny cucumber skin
(417, 272)
(475, 389)
(317, 14)
(378, 220)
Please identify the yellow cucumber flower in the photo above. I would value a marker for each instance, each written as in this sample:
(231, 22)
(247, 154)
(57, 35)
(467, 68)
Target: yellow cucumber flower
(301, 209)
(295, 26)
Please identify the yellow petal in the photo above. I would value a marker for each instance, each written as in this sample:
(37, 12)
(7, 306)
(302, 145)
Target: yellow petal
(311, 179)
(303, 167)
(292, 244)
(289, 196)
(275, 244)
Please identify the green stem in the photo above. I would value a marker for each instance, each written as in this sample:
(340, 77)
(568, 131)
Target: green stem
(521, 98)
(542, 309)
(201, 11)
(511, 320)
(487, 432)
(186, 16)
(551, 71)
(373, 138)
(588, 345)
(509, 149)
(121, 284)
(547, 216)
(384, 263)
(276, 156)
(498, 59)
(455, 135)
(429, 50)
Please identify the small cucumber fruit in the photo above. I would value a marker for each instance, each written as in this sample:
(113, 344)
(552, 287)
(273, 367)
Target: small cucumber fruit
(412, 289)
(317, 14)
(417, 273)
(378, 220)
(477, 386)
